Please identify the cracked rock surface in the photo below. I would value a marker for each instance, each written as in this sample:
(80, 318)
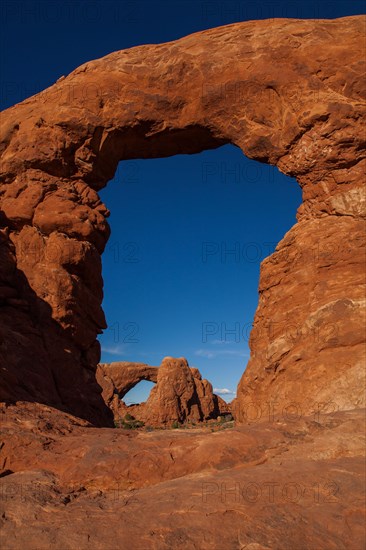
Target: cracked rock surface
(279, 484)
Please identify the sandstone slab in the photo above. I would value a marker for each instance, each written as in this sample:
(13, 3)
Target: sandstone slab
(274, 485)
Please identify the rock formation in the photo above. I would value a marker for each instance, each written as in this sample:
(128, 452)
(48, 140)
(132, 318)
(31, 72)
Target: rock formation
(287, 92)
(180, 394)
(118, 378)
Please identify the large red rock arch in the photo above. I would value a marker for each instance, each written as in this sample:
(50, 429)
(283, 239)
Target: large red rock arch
(287, 92)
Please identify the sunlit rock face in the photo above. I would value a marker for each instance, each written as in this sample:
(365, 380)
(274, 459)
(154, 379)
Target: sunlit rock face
(287, 92)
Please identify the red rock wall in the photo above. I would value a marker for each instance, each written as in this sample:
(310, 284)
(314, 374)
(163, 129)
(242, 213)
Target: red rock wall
(287, 92)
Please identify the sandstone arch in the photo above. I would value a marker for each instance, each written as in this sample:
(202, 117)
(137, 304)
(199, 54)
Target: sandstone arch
(287, 92)
(180, 393)
(125, 375)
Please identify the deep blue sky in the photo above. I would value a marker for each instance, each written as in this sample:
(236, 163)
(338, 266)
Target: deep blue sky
(170, 286)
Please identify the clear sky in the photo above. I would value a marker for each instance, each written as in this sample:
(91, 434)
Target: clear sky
(188, 232)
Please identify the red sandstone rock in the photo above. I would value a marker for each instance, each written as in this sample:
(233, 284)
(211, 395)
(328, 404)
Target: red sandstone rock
(310, 353)
(116, 379)
(180, 394)
(287, 92)
(275, 485)
(211, 405)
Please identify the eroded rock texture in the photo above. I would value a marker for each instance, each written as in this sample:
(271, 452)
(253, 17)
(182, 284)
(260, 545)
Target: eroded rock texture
(277, 485)
(287, 92)
(180, 394)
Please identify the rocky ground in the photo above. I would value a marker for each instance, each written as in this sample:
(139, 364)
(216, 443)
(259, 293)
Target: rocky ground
(282, 483)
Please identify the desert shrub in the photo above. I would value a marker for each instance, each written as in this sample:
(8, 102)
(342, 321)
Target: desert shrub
(225, 418)
(134, 424)
(175, 424)
(129, 423)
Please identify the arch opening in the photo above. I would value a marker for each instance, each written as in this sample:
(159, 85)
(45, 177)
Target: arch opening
(138, 394)
(181, 268)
